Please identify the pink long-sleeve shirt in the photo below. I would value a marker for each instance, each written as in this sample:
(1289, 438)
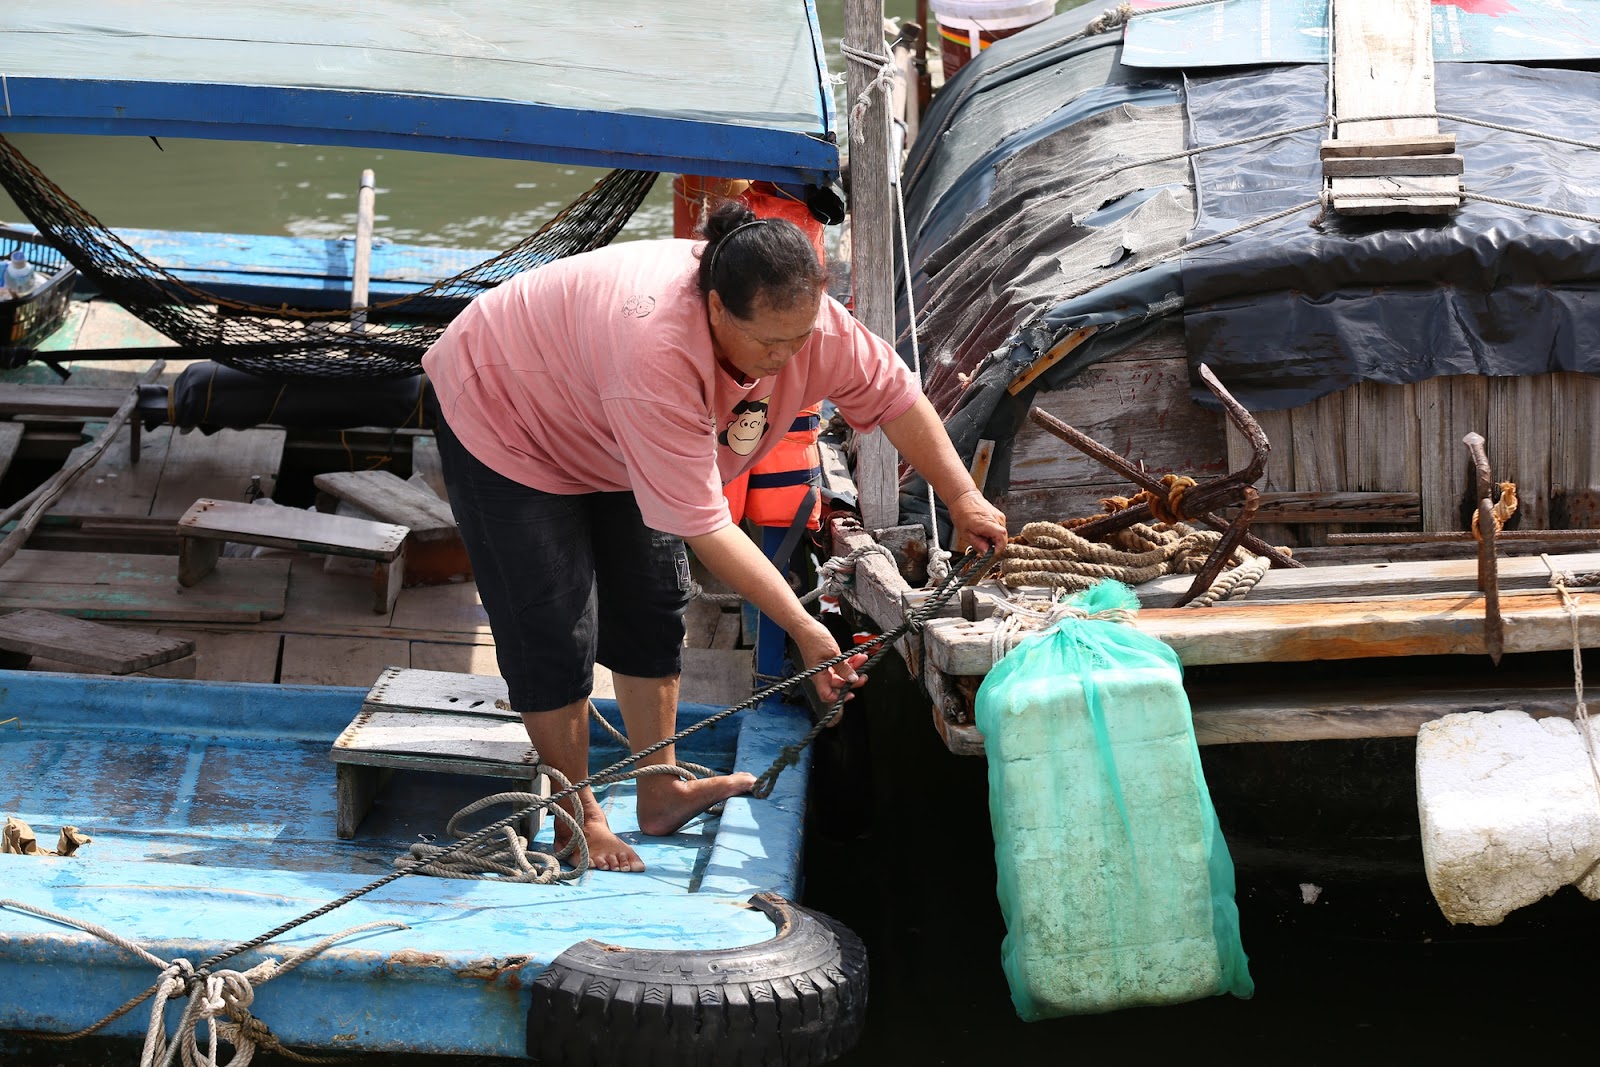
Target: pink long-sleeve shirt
(597, 374)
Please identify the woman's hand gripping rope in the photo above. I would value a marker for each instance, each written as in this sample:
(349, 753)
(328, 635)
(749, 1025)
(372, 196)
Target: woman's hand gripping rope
(873, 648)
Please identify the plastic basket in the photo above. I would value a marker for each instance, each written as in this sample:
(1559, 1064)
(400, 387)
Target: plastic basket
(26, 321)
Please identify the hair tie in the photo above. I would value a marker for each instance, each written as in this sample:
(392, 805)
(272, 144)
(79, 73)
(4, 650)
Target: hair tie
(711, 271)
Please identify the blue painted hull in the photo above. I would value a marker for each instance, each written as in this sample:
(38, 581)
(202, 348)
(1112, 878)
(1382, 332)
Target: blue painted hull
(212, 810)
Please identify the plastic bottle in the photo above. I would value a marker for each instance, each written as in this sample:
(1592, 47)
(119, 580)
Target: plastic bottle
(21, 278)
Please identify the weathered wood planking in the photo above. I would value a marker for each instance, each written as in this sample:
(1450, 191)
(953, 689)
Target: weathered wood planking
(1518, 443)
(1394, 580)
(1299, 632)
(1383, 65)
(1448, 409)
(454, 658)
(1348, 714)
(232, 657)
(1390, 580)
(114, 484)
(291, 528)
(115, 649)
(1373, 507)
(877, 589)
(218, 466)
(322, 660)
(97, 585)
(415, 689)
(389, 498)
(77, 401)
(1383, 446)
(1574, 451)
(473, 743)
(1319, 460)
(1140, 409)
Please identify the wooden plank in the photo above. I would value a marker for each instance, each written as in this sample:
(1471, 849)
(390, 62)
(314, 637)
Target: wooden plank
(442, 608)
(1413, 145)
(339, 660)
(78, 401)
(1394, 580)
(454, 658)
(445, 692)
(218, 467)
(982, 457)
(280, 527)
(1574, 451)
(232, 657)
(1382, 196)
(1383, 65)
(114, 484)
(1447, 410)
(391, 499)
(1383, 166)
(429, 740)
(115, 649)
(109, 325)
(1140, 409)
(1298, 632)
(1389, 508)
(876, 589)
(872, 260)
(1383, 441)
(1349, 713)
(1318, 431)
(1058, 351)
(1518, 444)
(134, 586)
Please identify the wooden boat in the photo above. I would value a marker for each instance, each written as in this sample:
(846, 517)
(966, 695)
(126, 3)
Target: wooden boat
(1099, 205)
(214, 814)
(276, 652)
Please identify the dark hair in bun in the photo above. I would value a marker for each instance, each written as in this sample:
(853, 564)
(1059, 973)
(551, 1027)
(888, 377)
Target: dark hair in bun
(748, 259)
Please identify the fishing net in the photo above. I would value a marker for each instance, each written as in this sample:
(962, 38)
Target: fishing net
(288, 344)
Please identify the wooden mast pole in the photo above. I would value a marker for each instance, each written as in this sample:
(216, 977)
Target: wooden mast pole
(871, 247)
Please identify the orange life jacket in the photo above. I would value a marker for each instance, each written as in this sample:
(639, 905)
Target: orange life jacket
(771, 492)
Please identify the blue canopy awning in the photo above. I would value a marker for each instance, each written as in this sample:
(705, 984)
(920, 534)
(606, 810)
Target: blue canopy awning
(738, 90)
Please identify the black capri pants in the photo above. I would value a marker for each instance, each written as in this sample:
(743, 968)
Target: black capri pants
(566, 581)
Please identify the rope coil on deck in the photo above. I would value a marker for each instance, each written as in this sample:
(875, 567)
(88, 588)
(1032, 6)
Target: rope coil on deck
(1051, 554)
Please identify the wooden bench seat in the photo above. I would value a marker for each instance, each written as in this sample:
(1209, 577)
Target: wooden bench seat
(434, 552)
(28, 633)
(209, 523)
(433, 721)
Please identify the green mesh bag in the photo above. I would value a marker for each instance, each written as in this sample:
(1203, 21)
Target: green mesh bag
(1114, 878)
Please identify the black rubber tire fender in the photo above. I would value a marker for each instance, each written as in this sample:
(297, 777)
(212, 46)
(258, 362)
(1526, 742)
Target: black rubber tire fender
(795, 1000)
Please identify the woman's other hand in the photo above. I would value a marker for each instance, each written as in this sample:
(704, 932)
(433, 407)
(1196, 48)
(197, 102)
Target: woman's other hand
(977, 522)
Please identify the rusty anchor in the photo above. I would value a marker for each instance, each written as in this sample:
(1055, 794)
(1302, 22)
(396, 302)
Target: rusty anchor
(1494, 633)
(1197, 504)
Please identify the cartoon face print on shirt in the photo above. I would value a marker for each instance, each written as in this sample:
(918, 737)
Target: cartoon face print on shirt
(749, 425)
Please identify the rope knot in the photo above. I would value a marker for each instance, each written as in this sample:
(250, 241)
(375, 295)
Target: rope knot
(1112, 19)
(1501, 512)
(1167, 509)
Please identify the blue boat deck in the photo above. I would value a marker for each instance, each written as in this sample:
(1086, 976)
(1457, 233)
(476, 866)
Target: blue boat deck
(212, 810)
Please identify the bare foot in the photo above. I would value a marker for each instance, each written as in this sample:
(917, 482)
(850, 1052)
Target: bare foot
(666, 803)
(607, 851)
